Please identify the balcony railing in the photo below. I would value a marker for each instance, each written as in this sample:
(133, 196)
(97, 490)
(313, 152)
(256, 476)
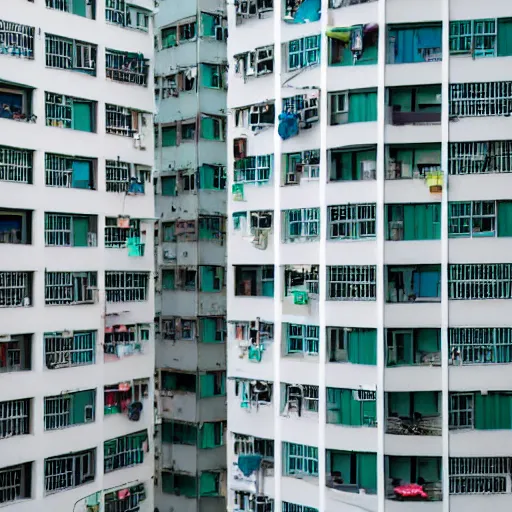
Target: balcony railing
(423, 426)
(402, 118)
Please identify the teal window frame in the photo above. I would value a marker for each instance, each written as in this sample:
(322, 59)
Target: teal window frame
(179, 432)
(300, 459)
(477, 37)
(294, 507)
(256, 170)
(352, 221)
(472, 219)
(303, 52)
(302, 339)
(480, 345)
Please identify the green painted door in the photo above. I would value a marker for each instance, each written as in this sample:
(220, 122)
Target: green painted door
(82, 116)
(79, 7)
(80, 231)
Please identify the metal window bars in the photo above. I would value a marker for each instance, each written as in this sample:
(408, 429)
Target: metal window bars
(478, 37)
(116, 11)
(130, 503)
(303, 339)
(352, 282)
(480, 345)
(119, 120)
(117, 175)
(301, 459)
(16, 39)
(294, 507)
(480, 475)
(352, 221)
(58, 110)
(57, 412)
(15, 165)
(126, 286)
(63, 350)
(116, 237)
(133, 335)
(479, 281)
(14, 418)
(303, 52)
(481, 99)
(15, 289)
(472, 218)
(69, 287)
(59, 5)
(58, 171)
(124, 451)
(68, 471)
(303, 223)
(127, 67)
(63, 53)
(461, 413)
(480, 157)
(310, 395)
(12, 484)
(58, 230)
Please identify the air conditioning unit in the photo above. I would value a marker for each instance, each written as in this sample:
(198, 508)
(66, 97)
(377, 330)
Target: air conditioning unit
(291, 178)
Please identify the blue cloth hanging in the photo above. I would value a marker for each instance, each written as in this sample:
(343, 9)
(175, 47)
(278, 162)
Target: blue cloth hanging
(288, 125)
(248, 464)
(308, 12)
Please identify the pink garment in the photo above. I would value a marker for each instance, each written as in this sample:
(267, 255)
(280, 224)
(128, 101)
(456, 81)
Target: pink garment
(410, 491)
(123, 493)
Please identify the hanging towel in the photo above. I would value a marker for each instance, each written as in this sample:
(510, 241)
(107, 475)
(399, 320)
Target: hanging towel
(248, 464)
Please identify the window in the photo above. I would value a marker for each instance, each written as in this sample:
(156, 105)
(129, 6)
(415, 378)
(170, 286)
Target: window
(302, 224)
(177, 432)
(354, 407)
(461, 410)
(69, 471)
(15, 164)
(212, 434)
(300, 460)
(479, 281)
(480, 345)
(303, 166)
(352, 345)
(254, 280)
(356, 282)
(477, 37)
(130, 500)
(248, 444)
(413, 43)
(293, 507)
(212, 177)
(120, 120)
(126, 67)
(360, 49)
(212, 384)
(123, 14)
(179, 485)
(84, 8)
(480, 157)
(352, 221)
(354, 165)
(15, 289)
(187, 31)
(303, 52)
(68, 112)
(69, 172)
(17, 354)
(413, 347)
(169, 37)
(212, 128)
(302, 339)
(476, 218)
(125, 451)
(169, 136)
(62, 53)
(213, 76)
(16, 483)
(413, 221)
(301, 278)
(169, 185)
(14, 420)
(69, 409)
(16, 39)
(116, 237)
(126, 286)
(413, 283)
(176, 381)
(253, 170)
(67, 349)
(482, 99)
(122, 340)
(480, 475)
(209, 23)
(212, 330)
(68, 230)
(188, 132)
(169, 231)
(64, 288)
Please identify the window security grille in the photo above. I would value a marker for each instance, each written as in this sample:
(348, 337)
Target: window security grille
(15, 165)
(14, 288)
(69, 471)
(116, 237)
(352, 221)
(65, 53)
(59, 110)
(130, 503)
(124, 451)
(69, 287)
(302, 223)
(355, 282)
(303, 338)
(57, 412)
(480, 157)
(303, 52)
(16, 39)
(477, 37)
(481, 99)
(310, 396)
(134, 334)
(293, 507)
(58, 230)
(480, 345)
(58, 171)
(125, 67)
(119, 120)
(62, 351)
(14, 419)
(126, 286)
(472, 218)
(461, 410)
(60, 5)
(484, 475)
(12, 483)
(117, 175)
(478, 281)
(116, 12)
(253, 169)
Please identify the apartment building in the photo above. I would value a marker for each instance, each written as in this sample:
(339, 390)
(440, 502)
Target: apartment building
(369, 256)
(190, 181)
(76, 256)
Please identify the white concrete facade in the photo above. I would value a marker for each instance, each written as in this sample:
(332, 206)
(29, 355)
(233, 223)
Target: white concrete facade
(114, 317)
(443, 378)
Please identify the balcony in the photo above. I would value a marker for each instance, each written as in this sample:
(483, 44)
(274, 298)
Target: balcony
(15, 353)
(16, 102)
(15, 226)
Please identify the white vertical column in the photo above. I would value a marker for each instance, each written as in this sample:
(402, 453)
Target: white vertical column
(380, 230)
(322, 269)
(278, 271)
(445, 67)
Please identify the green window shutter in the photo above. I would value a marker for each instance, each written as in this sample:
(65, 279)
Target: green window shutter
(362, 156)
(208, 436)
(82, 116)
(207, 71)
(169, 37)
(168, 281)
(505, 218)
(362, 346)
(206, 177)
(80, 231)
(208, 330)
(79, 401)
(400, 468)
(167, 431)
(347, 166)
(207, 279)
(369, 412)
(81, 177)
(340, 462)
(169, 136)
(167, 483)
(169, 186)
(427, 340)
(493, 411)
(209, 484)
(169, 381)
(362, 107)
(267, 289)
(208, 25)
(429, 468)
(334, 406)
(79, 7)
(207, 128)
(399, 404)
(504, 37)
(367, 470)
(207, 385)
(426, 403)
